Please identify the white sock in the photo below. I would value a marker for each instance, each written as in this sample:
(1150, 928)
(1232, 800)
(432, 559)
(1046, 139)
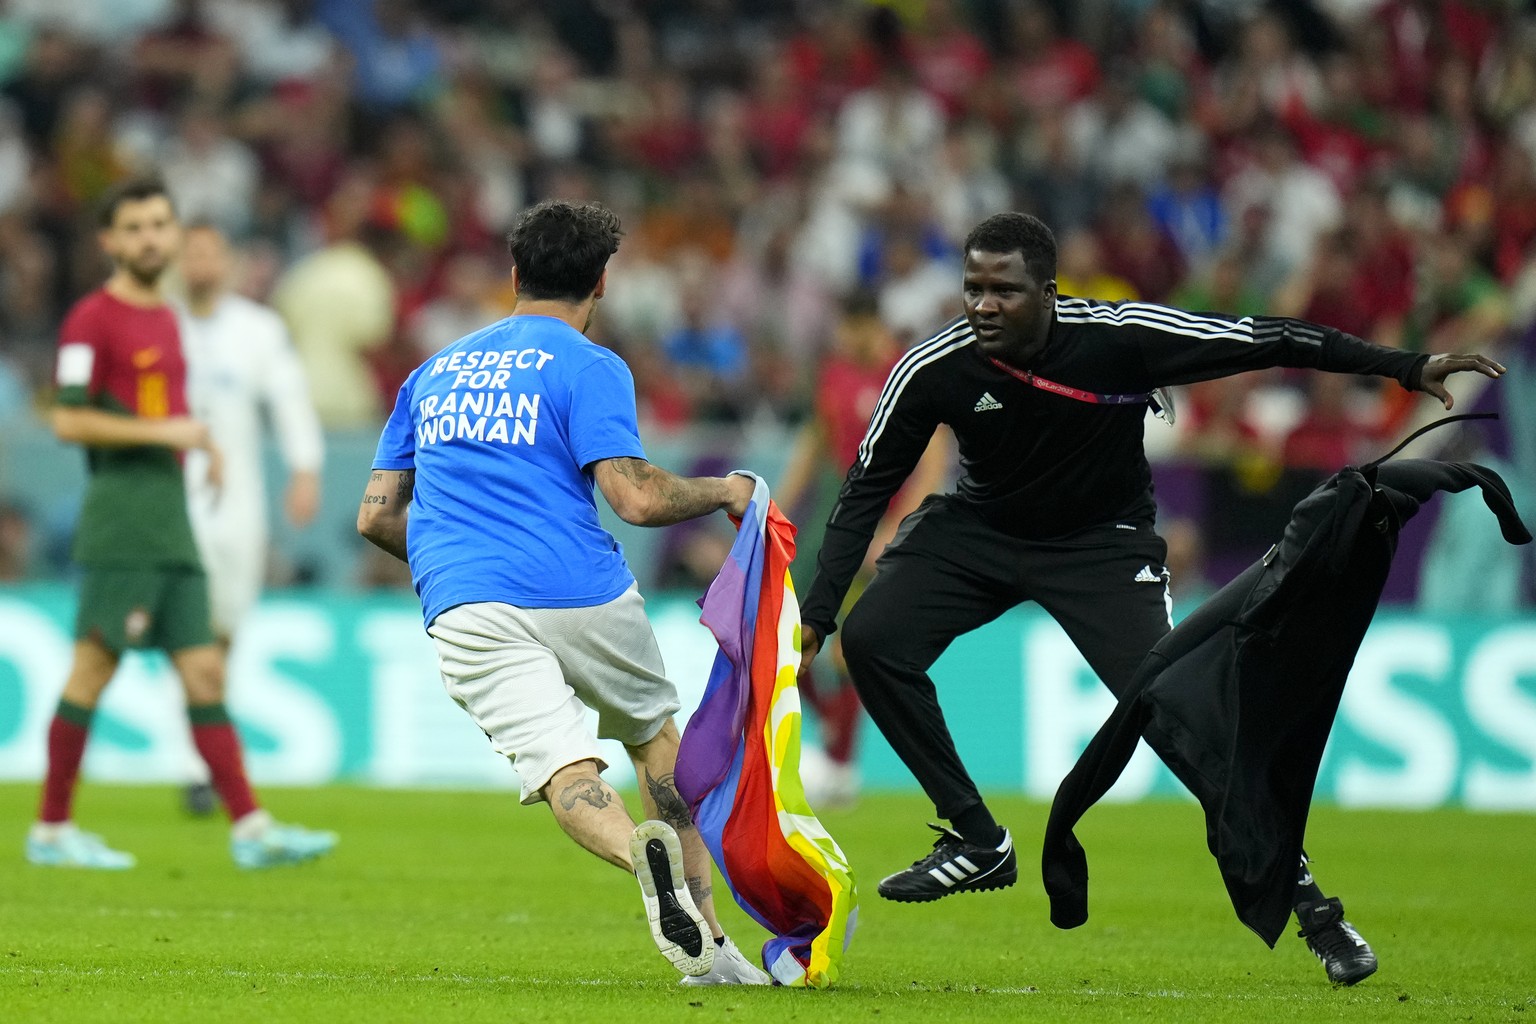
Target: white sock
(252, 825)
(50, 831)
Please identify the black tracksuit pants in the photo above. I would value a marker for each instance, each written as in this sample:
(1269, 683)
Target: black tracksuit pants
(949, 572)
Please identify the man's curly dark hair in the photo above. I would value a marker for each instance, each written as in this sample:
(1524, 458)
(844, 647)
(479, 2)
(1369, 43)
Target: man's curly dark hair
(560, 249)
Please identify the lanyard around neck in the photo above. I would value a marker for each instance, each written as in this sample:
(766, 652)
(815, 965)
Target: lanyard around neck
(1091, 397)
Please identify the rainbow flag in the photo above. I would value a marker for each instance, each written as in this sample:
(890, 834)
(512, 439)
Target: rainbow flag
(739, 763)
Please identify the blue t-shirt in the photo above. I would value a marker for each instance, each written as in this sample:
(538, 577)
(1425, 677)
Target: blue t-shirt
(500, 428)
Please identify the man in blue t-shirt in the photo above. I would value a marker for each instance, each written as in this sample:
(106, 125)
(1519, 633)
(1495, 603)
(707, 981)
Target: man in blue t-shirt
(483, 483)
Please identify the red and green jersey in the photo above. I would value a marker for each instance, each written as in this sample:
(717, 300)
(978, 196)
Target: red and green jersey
(127, 359)
(845, 400)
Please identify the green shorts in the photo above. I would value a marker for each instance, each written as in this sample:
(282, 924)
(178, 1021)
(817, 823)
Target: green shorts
(128, 607)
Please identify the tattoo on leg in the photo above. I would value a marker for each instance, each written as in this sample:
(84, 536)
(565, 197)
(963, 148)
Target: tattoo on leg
(590, 790)
(699, 889)
(669, 803)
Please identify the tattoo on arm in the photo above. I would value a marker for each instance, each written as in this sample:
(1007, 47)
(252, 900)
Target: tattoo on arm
(637, 471)
(670, 806)
(674, 498)
(699, 889)
(590, 790)
(382, 520)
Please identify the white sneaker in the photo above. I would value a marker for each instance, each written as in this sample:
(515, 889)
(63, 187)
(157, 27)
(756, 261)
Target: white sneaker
(65, 846)
(280, 844)
(731, 968)
(680, 931)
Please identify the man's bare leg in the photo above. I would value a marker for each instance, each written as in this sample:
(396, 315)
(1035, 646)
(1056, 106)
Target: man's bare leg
(655, 768)
(589, 811)
(89, 673)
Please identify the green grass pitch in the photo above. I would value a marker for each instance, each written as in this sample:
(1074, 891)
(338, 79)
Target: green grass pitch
(465, 907)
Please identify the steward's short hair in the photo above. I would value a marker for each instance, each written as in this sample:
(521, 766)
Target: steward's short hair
(1020, 233)
(132, 190)
(560, 249)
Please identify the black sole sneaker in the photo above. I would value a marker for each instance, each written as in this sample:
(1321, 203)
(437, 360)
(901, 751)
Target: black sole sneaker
(680, 931)
(1343, 953)
(955, 865)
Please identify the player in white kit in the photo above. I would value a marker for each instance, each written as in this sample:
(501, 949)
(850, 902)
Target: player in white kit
(241, 369)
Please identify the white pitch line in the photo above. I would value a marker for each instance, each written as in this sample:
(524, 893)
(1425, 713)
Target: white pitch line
(161, 912)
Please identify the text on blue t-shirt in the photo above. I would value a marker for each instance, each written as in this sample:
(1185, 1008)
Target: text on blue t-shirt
(500, 428)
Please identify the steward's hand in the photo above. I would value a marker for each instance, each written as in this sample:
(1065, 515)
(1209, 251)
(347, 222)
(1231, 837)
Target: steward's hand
(1439, 368)
(810, 644)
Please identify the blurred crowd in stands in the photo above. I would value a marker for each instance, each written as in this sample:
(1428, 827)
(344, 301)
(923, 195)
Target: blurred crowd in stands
(1369, 164)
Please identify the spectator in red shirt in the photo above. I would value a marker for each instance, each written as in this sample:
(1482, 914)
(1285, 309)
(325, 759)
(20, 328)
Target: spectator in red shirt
(778, 116)
(187, 56)
(1049, 71)
(1343, 135)
(949, 58)
(1498, 212)
(833, 56)
(1219, 429)
(1387, 265)
(667, 138)
(1136, 247)
(1329, 437)
(1326, 289)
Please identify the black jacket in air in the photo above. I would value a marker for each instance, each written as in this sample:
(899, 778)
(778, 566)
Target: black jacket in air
(1240, 698)
(1039, 465)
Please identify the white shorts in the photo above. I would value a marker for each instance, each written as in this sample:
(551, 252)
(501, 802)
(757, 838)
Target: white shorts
(231, 531)
(528, 675)
(236, 571)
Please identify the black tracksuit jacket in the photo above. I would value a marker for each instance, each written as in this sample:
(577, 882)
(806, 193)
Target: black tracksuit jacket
(1240, 698)
(1040, 465)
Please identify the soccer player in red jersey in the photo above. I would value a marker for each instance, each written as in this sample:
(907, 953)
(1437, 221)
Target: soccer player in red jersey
(848, 384)
(121, 394)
